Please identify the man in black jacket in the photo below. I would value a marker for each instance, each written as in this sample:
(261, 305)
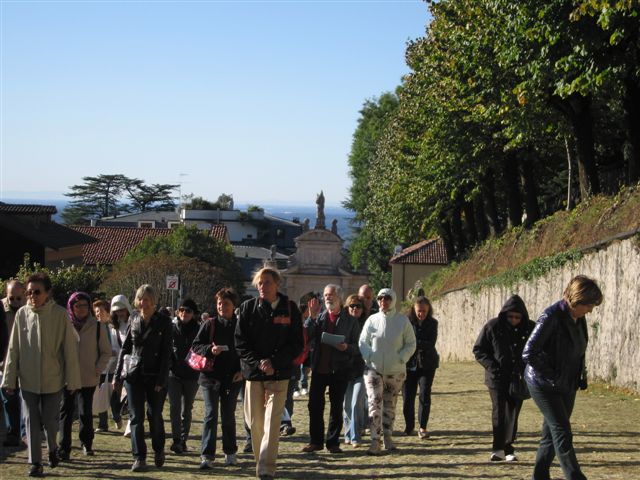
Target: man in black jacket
(499, 350)
(268, 337)
(330, 367)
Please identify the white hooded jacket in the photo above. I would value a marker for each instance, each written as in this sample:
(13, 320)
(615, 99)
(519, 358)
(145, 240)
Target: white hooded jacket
(387, 340)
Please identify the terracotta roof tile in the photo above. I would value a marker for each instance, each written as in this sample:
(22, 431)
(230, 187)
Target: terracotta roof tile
(27, 209)
(114, 242)
(430, 251)
(219, 232)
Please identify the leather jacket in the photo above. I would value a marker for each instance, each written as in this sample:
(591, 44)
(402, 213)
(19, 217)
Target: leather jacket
(555, 351)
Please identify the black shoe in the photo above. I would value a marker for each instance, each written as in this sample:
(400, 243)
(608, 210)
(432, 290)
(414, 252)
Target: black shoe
(248, 448)
(53, 459)
(286, 430)
(36, 470)
(88, 451)
(177, 447)
(63, 455)
(158, 459)
(139, 465)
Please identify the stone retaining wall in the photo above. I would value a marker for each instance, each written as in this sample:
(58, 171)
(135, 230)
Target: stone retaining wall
(613, 354)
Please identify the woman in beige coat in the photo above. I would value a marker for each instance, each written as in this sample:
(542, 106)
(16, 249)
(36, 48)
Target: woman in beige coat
(42, 360)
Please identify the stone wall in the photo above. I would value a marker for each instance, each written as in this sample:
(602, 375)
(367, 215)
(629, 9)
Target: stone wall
(613, 354)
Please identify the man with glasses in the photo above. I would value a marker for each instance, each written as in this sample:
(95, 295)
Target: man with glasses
(331, 363)
(15, 427)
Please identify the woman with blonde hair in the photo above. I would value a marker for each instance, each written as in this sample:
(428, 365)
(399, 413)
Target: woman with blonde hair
(555, 358)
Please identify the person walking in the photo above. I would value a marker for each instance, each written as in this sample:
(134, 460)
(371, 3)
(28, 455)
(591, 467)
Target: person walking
(120, 312)
(268, 338)
(555, 368)
(42, 359)
(101, 310)
(220, 386)
(421, 367)
(143, 366)
(387, 342)
(331, 364)
(499, 350)
(94, 353)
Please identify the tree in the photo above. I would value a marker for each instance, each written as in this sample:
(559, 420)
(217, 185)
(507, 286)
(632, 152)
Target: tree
(150, 197)
(96, 197)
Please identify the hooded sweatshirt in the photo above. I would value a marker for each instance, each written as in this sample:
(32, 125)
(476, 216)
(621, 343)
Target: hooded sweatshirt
(499, 345)
(387, 340)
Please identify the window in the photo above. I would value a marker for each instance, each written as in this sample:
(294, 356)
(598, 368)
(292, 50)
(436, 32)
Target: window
(173, 224)
(146, 224)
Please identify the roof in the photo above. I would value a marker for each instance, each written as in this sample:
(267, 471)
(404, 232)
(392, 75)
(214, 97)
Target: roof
(147, 216)
(219, 232)
(250, 251)
(47, 233)
(27, 209)
(426, 252)
(114, 242)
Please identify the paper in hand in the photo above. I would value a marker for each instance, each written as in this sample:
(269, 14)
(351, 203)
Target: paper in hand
(331, 339)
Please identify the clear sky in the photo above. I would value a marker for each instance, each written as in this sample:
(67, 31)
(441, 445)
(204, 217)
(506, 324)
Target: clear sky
(258, 99)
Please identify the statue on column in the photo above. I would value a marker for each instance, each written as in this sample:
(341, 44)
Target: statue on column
(334, 226)
(320, 211)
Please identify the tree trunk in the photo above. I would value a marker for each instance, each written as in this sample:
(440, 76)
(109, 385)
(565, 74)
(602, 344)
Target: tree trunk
(480, 217)
(569, 174)
(512, 189)
(457, 233)
(444, 230)
(631, 105)
(490, 208)
(578, 110)
(470, 222)
(530, 188)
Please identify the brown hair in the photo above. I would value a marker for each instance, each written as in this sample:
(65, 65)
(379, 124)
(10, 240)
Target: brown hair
(102, 304)
(357, 298)
(40, 277)
(421, 300)
(228, 294)
(582, 290)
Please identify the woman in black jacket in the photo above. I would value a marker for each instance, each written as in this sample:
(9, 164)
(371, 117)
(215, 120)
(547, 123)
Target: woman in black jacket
(143, 364)
(421, 367)
(555, 358)
(222, 385)
(183, 380)
(499, 350)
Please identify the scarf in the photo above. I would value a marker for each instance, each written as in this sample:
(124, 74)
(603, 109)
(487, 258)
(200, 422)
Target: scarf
(73, 299)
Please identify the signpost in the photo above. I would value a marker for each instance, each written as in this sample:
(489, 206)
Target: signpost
(173, 284)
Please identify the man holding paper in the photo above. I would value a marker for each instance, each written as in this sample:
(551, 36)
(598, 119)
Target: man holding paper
(333, 338)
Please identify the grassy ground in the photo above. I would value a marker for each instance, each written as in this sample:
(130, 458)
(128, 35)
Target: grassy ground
(606, 426)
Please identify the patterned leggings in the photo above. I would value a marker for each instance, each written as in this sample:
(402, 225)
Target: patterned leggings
(382, 392)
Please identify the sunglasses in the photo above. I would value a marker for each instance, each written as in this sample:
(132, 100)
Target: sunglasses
(18, 299)
(384, 297)
(33, 293)
(81, 305)
(185, 310)
(355, 305)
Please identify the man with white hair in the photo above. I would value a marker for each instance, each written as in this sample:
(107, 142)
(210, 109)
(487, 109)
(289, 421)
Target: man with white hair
(334, 343)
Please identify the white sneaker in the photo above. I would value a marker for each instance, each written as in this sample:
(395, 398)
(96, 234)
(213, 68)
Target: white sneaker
(230, 459)
(296, 394)
(303, 391)
(511, 457)
(497, 456)
(127, 431)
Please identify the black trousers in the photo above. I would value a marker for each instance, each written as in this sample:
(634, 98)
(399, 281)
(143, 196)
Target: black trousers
(504, 419)
(424, 379)
(337, 384)
(84, 398)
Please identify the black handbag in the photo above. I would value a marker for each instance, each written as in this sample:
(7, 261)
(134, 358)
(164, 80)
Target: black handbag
(518, 389)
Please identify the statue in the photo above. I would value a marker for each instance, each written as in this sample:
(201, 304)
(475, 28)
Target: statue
(320, 211)
(334, 226)
(305, 225)
(273, 252)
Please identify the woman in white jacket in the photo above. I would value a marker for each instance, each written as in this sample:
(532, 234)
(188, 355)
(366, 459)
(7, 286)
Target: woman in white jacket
(387, 342)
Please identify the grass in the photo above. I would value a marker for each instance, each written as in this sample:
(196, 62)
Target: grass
(606, 425)
(521, 254)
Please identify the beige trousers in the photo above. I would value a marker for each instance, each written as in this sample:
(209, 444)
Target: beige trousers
(263, 407)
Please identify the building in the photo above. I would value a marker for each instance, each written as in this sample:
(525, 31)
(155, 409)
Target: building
(28, 229)
(416, 262)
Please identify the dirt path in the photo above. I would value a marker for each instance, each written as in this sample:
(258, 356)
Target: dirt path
(606, 431)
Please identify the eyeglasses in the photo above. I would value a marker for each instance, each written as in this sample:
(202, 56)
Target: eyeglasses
(17, 299)
(185, 310)
(33, 293)
(81, 305)
(355, 305)
(384, 297)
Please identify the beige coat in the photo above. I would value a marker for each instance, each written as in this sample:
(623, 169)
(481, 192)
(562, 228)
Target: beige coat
(93, 357)
(43, 351)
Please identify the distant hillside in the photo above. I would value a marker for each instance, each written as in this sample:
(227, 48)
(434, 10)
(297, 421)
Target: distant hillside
(551, 242)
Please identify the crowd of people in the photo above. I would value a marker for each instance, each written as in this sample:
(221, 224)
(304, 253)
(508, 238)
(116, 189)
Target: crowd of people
(360, 349)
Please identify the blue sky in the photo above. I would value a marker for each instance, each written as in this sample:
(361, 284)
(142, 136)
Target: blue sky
(258, 99)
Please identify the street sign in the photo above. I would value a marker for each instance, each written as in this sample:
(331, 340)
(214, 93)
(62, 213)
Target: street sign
(172, 282)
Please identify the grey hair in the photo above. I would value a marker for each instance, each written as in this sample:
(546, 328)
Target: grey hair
(147, 290)
(337, 289)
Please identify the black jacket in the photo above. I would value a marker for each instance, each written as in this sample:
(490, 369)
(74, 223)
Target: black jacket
(264, 333)
(499, 346)
(426, 356)
(182, 335)
(153, 344)
(555, 351)
(345, 325)
(227, 364)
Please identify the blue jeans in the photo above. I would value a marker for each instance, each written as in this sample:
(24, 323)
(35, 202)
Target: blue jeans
(557, 439)
(12, 415)
(182, 393)
(356, 410)
(227, 399)
(138, 393)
